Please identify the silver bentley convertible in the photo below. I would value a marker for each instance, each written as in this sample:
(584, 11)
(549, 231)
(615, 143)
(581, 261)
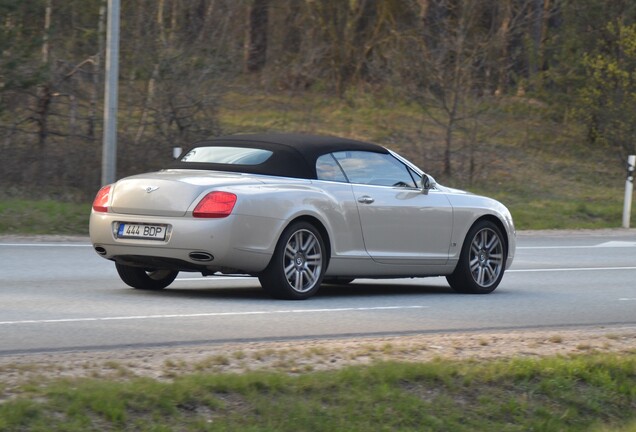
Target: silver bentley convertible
(297, 211)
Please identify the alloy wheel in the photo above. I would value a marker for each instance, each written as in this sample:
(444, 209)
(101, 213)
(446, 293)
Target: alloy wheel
(486, 257)
(302, 261)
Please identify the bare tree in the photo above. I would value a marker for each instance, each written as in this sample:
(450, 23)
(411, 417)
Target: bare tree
(444, 64)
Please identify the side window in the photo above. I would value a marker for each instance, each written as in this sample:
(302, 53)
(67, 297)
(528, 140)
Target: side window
(328, 169)
(374, 169)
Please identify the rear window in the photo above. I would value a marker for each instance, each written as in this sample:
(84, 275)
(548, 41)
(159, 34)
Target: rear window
(227, 155)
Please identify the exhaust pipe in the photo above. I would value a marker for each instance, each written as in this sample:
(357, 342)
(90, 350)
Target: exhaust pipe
(201, 256)
(100, 250)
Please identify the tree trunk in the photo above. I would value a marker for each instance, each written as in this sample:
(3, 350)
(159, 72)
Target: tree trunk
(543, 35)
(256, 45)
(537, 24)
(150, 94)
(292, 38)
(47, 28)
(448, 139)
(43, 99)
(503, 35)
(363, 39)
(162, 32)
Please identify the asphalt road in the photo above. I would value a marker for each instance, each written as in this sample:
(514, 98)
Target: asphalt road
(59, 296)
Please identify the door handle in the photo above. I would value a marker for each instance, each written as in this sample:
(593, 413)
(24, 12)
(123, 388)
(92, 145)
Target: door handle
(365, 199)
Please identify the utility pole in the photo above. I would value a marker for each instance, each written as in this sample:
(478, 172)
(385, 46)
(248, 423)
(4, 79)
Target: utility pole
(109, 146)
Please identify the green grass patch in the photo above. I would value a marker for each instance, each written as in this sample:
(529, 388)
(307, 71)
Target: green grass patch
(20, 216)
(564, 214)
(561, 212)
(595, 393)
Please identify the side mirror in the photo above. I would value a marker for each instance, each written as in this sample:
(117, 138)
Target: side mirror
(425, 183)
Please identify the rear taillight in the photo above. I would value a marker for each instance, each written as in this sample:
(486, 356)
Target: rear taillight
(100, 204)
(215, 205)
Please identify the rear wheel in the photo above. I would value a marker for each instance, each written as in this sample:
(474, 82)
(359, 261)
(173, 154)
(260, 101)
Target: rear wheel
(298, 264)
(482, 261)
(145, 279)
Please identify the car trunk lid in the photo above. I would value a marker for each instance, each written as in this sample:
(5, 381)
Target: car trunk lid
(170, 192)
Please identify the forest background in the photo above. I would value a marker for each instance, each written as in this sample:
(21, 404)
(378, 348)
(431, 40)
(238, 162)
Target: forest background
(532, 101)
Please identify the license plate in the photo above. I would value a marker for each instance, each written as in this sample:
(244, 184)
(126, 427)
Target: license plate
(142, 231)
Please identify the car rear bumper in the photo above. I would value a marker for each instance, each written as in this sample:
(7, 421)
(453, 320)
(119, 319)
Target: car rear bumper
(233, 244)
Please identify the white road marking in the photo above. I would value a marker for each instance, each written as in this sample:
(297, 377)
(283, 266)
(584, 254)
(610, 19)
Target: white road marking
(569, 269)
(610, 244)
(211, 314)
(627, 299)
(618, 244)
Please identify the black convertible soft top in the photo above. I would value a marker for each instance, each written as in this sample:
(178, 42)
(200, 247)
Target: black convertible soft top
(293, 155)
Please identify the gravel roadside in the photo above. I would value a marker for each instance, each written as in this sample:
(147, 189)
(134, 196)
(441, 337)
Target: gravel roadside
(300, 356)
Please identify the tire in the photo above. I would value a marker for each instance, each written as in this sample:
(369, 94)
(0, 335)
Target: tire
(482, 260)
(298, 265)
(145, 279)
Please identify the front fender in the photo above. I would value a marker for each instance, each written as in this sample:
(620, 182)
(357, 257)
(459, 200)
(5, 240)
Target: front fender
(468, 209)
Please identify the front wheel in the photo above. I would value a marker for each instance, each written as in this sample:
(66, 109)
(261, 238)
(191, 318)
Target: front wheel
(482, 260)
(298, 264)
(144, 279)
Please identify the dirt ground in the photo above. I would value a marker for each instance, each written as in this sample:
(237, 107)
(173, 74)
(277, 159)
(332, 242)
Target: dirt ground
(295, 357)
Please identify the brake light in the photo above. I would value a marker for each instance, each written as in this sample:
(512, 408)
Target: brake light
(100, 204)
(215, 205)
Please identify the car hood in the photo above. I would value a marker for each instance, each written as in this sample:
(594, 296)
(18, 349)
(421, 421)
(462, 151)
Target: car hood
(452, 190)
(169, 192)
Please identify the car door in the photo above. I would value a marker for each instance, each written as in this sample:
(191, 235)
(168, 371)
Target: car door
(400, 223)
